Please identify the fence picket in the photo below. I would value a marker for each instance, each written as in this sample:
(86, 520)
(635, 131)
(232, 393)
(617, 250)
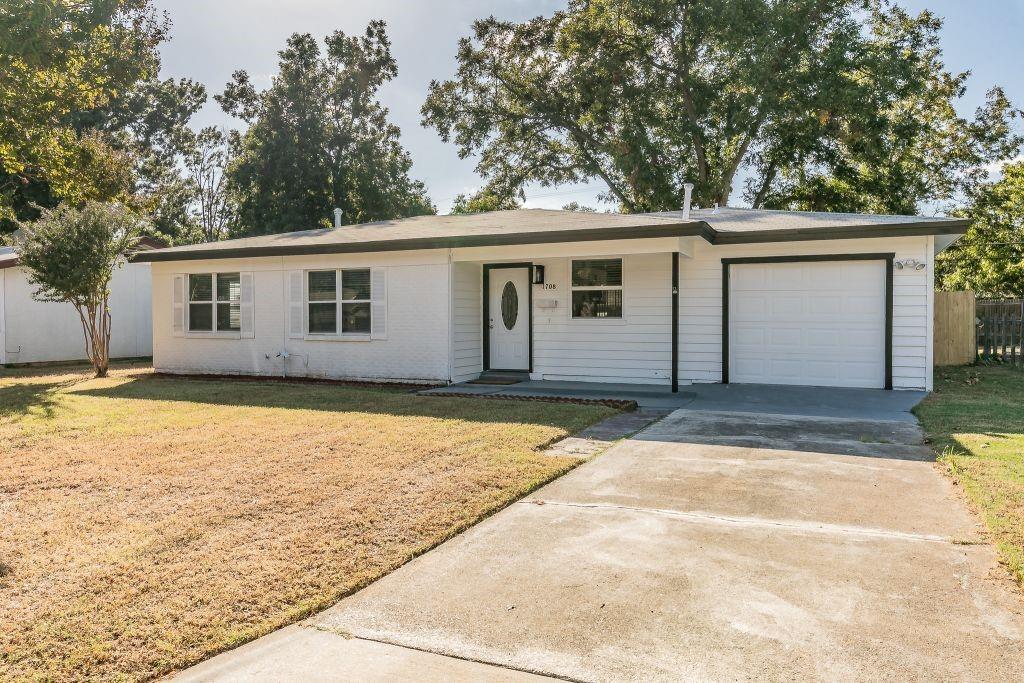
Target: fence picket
(999, 335)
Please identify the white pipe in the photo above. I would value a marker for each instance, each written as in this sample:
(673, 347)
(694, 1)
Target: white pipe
(337, 218)
(687, 193)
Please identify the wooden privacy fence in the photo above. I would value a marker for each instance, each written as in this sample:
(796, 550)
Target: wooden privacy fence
(987, 330)
(955, 333)
(999, 338)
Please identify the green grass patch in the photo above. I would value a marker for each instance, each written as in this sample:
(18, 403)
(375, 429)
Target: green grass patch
(975, 421)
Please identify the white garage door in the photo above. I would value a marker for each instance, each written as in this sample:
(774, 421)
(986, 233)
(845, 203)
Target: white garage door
(816, 323)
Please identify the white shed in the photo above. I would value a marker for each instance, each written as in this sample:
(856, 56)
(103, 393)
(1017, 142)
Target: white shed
(731, 295)
(35, 332)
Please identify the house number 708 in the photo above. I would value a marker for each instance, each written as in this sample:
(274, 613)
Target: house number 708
(548, 285)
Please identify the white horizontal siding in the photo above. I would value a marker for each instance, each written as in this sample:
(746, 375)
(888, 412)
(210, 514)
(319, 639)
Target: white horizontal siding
(38, 331)
(636, 349)
(467, 322)
(700, 301)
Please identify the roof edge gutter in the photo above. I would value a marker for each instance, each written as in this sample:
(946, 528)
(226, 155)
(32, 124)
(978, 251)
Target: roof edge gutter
(946, 227)
(676, 229)
(686, 229)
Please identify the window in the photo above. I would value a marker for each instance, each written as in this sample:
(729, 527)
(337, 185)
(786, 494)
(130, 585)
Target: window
(323, 302)
(355, 301)
(324, 296)
(214, 302)
(597, 288)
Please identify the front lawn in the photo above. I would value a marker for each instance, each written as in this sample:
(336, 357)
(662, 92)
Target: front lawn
(975, 421)
(148, 523)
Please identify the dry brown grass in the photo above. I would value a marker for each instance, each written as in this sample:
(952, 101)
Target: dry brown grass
(148, 523)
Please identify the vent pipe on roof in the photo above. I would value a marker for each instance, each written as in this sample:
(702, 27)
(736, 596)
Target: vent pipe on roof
(687, 193)
(337, 218)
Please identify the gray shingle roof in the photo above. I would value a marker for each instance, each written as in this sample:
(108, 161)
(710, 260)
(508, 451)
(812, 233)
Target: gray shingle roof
(8, 257)
(539, 226)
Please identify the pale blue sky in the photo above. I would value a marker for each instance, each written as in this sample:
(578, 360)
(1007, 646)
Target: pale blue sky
(212, 38)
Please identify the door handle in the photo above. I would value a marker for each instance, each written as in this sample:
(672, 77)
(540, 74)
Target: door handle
(491, 324)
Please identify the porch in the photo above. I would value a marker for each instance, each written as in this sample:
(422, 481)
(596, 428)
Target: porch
(827, 402)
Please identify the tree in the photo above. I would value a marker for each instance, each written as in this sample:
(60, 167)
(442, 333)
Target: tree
(989, 258)
(70, 255)
(209, 155)
(83, 114)
(319, 139)
(648, 94)
(56, 59)
(485, 200)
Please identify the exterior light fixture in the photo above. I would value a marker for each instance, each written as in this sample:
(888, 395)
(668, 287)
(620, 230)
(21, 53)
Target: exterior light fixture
(910, 263)
(538, 275)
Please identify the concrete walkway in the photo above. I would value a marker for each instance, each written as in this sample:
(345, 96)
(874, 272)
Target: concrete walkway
(713, 545)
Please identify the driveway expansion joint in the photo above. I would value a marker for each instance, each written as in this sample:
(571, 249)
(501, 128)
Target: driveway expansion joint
(345, 634)
(789, 525)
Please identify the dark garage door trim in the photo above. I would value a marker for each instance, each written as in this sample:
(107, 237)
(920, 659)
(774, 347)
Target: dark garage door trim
(887, 257)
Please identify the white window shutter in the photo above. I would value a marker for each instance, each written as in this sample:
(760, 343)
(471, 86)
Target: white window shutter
(379, 303)
(247, 306)
(296, 305)
(178, 310)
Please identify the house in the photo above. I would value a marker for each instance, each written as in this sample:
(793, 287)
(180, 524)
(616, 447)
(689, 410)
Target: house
(35, 332)
(729, 295)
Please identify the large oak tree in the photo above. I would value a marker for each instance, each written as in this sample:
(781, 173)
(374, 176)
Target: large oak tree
(821, 104)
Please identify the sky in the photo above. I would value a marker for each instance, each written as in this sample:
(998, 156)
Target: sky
(213, 38)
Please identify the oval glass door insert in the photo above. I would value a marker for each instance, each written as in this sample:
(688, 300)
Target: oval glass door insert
(509, 305)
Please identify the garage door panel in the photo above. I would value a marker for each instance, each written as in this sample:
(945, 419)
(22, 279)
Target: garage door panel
(749, 279)
(786, 305)
(750, 306)
(822, 338)
(785, 337)
(786, 276)
(815, 323)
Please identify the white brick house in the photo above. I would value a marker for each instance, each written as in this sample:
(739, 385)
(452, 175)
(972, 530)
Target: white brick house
(665, 299)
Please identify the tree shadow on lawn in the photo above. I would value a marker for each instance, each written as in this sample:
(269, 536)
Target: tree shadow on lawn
(340, 398)
(18, 400)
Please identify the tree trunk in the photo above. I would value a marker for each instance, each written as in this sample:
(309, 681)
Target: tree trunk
(96, 325)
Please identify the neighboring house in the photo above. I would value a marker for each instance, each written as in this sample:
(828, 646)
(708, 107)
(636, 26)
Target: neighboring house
(731, 295)
(34, 331)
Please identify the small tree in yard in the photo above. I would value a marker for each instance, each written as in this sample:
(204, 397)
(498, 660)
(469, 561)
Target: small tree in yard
(71, 254)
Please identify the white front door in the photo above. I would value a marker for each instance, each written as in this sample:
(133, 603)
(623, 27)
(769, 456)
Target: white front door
(815, 323)
(509, 318)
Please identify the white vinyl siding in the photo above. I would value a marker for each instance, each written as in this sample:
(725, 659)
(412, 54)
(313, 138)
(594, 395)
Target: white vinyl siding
(467, 321)
(700, 304)
(636, 348)
(39, 332)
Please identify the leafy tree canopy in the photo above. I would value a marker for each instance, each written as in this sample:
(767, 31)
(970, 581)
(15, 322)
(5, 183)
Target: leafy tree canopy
(70, 255)
(485, 200)
(319, 139)
(825, 104)
(989, 258)
(83, 114)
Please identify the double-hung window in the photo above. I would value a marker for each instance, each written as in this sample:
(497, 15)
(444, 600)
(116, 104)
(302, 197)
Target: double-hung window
(214, 302)
(597, 288)
(328, 303)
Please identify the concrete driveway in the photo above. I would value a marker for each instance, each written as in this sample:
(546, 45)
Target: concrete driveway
(714, 545)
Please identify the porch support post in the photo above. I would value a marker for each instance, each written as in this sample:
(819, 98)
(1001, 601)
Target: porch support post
(675, 322)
